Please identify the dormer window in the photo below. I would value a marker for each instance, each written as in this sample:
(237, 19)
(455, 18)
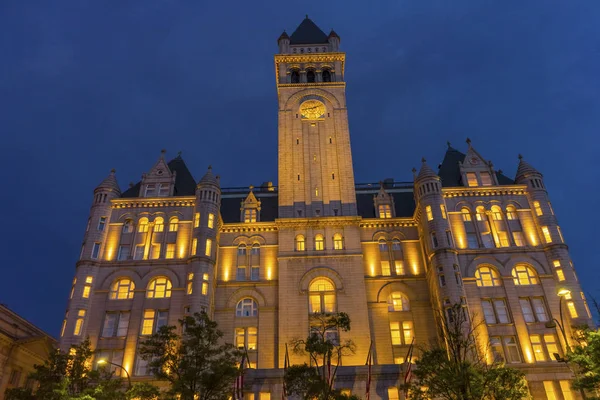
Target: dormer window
(385, 211)
(250, 215)
(472, 179)
(163, 190)
(250, 209)
(150, 190)
(486, 179)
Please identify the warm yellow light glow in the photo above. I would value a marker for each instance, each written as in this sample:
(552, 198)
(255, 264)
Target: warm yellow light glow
(101, 361)
(563, 292)
(547, 236)
(372, 270)
(226, 274)
(269, 273)
(415, 268)
(528, 355)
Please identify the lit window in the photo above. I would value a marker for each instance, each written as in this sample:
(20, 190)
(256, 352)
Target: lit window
(101, 223)
(551, 346)
(549, 389)
(96, 250)
(122, 289)
(496, 213)
(497, 350)
(565, 387)
(385, 268)
(471, 179)
(79, 322)
(173, 224)
(486, 179)
(538, 349)
(560, 235)
(87, 287)
(407, 329)
(401, 332)
(155, 254)
(396, 333)
(524, 275)
(250, 215)
(299, 243)
(150, 190)
(194, 246)
(208, 248)
(547, 236)
(321, 296)
(560, 275)
(190, 283)
(480, 213)
(319, 242)
(443, 210)
(246, 338)
(159, 224)
(211, 220)
(537, 208)
(264, 396)
(398, 302)
(393, 393)
(128, 226)
(338, 243)
(170, 254)
(163, 189)
(153, 320)
(503, 239)
(204, 284)
(139, 252)
(123, 253)
(429, 213)
(196, 220)
(398, 360)
(518, 238)
(487, 276)
(572, 309)
(116, 324)
(246, 308)
(399, 266)
(159, 288)
(143, 225)
(466, 214)
(511, 213)
(385, 211)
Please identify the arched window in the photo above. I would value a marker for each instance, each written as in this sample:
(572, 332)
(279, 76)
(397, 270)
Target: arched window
(128, 226)
(496, 213)
(300, 243)
(159, 288)
(143, 225)
(466, 214)
(159, 224)
(511, 213)
(246, 308)
(398, 302)
(319, 242)
(396, 246)
(310, 76)
(524, 275)
(173, 224)
(321, 296)
(241, 251)
(487, 276)
(122, 289)
(326, 74)
(295, 76)
(338, 242)
(480, 212)
(383, 247)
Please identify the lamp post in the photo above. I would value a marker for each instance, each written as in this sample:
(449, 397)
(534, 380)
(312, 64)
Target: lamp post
(103, 361)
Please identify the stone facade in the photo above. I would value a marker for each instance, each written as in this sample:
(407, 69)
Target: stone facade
(392, 255)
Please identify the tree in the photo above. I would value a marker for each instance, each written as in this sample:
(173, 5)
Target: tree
(325, 352)
(195, 363)
(455, 369)
(586, 357)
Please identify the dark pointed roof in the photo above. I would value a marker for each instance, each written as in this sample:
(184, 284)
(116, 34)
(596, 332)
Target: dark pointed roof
(308, 33)
(333, 34)
(284, 35)
(426, 171)
(524, 169)
(449, 171)
(209, 178)
(110, 182)
(185, 184)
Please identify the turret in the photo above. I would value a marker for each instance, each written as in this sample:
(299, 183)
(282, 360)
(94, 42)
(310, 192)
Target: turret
(334, 41)
(284, 43)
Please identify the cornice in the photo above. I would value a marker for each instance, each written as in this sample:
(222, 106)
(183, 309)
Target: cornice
(240, 227)
(312, 84)
(288, 223)
(484, 191)
(187, 201)
(309, 57)
(388, 223)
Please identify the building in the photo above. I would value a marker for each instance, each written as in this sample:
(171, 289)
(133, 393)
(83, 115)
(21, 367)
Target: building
(22, 345)
(391, 255)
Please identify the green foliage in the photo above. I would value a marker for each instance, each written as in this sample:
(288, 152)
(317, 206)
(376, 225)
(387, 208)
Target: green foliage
(586, 356)
(143, 391)
(454, 369)
(195, 363)
(323, 348)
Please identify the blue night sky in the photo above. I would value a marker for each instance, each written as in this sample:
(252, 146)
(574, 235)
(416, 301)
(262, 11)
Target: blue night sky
(87, 85)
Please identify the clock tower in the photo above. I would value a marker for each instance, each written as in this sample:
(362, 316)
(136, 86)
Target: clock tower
(315, 161)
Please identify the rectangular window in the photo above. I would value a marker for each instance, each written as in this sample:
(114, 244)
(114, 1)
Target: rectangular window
(399, 265)
(512, 350)
(170, 251)
(205, 284)
(537, 208)
(148, 322)
(565, 388)
(264, 396)
(398, 360)
(250, 215)
(396, 333)
(115, 324)
(190, 283)
(497, 350)
(488, 312)
(407, 330)
(486, 179)
(86, 291)
(549, 388)
(208, 248)
(503, 239)
(443, 210)
(488, 241)
(538, 349)
(241, 273)
(254, 273)
(95, 251)
(472, 241)
(338, 242)
(79, 322)
(163, 189)
(527, 310)
(141, 366)
(540, 309)
(194, 246)
(139, 252)
(123, 253)
(319, 244)
(393, 393)
(150, 190)
(434, 241)
(155, 255)
(251, 338)
(101, 223)
(551, 346)
(385, 268)
(429, 213)
(572, 309)
(518, 238)
(385, 211)
(472, 179)
(173, 225)
(211, 220)
(196, 220)
(547, 236)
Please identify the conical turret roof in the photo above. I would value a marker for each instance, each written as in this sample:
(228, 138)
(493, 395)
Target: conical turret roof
(209, 178)
(284, 35)
(525, 169)
(110, 182)
(426, 171)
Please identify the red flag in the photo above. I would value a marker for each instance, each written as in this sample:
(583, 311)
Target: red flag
(408, 362)
(369, 363)
(286, 364)
(238, 389)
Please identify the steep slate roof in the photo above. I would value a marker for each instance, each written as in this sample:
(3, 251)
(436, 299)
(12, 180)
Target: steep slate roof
(308, 33)
(449, 171)
(185, 184)
(404, 204)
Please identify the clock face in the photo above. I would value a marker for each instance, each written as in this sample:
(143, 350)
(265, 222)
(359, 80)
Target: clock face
(312, 109)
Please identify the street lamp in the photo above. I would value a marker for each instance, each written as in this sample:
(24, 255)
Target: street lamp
(103, 361)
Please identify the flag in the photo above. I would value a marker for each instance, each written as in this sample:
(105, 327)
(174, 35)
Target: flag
(329, 379)
(408, 362)
(286, 364)
(238, 389)
(369, 363)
